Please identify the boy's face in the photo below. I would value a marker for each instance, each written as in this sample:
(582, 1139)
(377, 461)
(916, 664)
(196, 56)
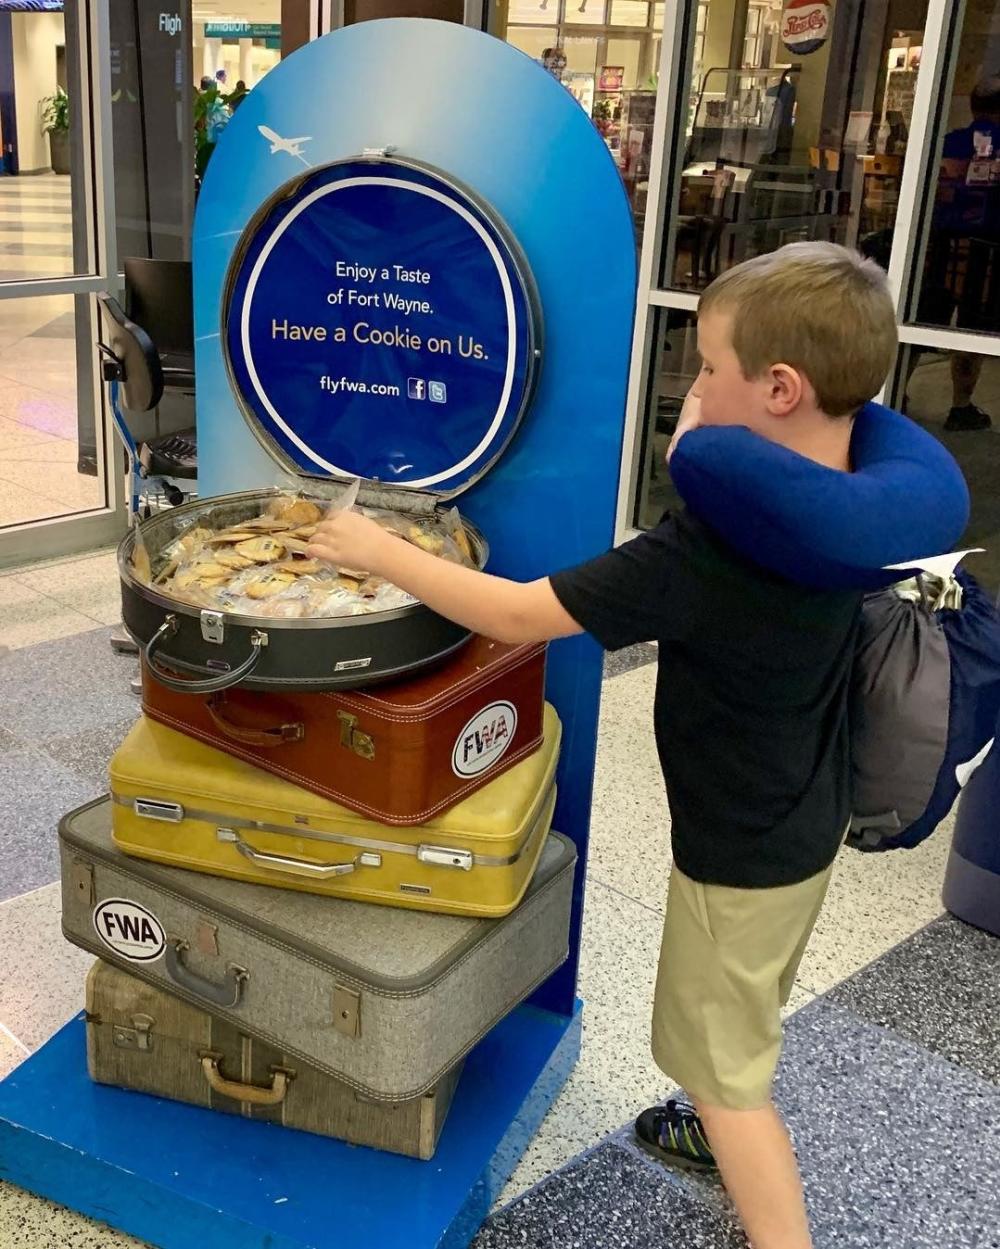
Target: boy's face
(727, 397)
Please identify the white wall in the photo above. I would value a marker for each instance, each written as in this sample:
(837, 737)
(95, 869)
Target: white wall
(36, 37)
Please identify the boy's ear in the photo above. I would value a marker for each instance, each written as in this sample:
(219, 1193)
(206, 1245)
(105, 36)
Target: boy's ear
(785, 389)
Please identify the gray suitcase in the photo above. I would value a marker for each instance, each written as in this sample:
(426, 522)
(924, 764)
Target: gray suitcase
(385, 1000)
(141, 1038)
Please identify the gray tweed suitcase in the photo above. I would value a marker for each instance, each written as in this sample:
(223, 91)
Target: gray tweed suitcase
(385, 1000)
(144, 1039)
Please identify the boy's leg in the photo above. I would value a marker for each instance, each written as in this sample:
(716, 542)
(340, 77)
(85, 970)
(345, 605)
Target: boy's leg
(758, 1167)
(727, 963)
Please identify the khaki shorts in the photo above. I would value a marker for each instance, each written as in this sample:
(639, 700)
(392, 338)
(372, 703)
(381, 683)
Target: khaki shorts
(727, 966)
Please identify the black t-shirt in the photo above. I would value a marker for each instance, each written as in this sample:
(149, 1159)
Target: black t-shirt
(751, 698)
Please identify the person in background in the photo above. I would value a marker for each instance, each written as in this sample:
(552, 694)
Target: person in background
(238, 94)
(963, 261)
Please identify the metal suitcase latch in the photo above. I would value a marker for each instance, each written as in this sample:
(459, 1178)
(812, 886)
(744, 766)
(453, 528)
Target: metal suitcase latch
(138, 1037)
(362, 744)
(443, 856)
(213, 626)
(152, 809)
(347, 1011)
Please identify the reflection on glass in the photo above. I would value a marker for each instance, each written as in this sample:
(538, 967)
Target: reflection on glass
(930, 383)
(37, 103)
(803, 139)
(629, 13)
(230, 57)
(960, 280)
(676, 365)
(609, 69)
(41, 444)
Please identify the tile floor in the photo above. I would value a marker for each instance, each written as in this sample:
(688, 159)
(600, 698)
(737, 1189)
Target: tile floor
(54, 622)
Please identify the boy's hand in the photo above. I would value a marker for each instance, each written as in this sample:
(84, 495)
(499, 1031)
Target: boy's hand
(506, 610)
(350, 540)
(690, 418)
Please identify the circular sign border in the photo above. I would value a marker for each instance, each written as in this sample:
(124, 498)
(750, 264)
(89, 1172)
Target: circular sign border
(519, 269)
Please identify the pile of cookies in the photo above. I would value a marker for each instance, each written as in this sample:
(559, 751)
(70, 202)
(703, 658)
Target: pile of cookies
(260, 566)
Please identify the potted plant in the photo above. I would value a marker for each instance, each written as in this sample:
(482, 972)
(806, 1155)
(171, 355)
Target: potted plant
(55, 123)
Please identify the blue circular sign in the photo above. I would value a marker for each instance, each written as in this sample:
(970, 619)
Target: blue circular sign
(381, 323)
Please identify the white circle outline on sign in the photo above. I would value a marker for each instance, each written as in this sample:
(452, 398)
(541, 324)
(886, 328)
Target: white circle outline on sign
(117, 945)
(484, 766)
(461, 211)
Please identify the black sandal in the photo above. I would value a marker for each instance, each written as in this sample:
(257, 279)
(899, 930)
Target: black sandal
(674, 1134)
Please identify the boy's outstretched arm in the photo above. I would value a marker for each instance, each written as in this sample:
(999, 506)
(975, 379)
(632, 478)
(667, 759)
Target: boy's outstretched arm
(509, 611)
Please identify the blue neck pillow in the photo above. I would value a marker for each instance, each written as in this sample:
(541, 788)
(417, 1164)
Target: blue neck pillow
(905, 499)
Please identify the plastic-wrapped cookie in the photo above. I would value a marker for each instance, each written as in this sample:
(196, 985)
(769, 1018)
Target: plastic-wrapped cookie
(426, 541)
(300, 567)
(261, 550)
(229, 537)
(233, 560)
(264, 524)
(267, 584)
(302, 512)
(199, 574)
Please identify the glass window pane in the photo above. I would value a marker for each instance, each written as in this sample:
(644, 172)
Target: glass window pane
(959, 281)
(956, 396)
(629, 13)
(807, 145)
(586, 12)
(625, 53)
(41, 163)
(581, 55)
(533, 12)
(676, 363)
(532, 40)
(48, 460)
(611, 75)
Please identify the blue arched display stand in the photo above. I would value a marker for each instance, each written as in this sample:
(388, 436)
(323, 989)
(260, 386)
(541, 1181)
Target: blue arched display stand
(481, 113)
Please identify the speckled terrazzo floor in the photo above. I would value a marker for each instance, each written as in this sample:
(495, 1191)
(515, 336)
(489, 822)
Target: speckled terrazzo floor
(893, 1045)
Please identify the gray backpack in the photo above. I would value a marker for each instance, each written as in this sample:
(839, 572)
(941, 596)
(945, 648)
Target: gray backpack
(925, 699)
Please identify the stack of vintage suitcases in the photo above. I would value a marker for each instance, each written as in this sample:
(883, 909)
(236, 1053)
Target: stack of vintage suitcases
(417, 893)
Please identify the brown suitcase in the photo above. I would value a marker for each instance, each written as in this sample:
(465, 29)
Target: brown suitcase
(399, 753)
(141, 1038)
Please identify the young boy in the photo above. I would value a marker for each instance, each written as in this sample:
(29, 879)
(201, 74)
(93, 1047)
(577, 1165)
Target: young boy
(750, 712)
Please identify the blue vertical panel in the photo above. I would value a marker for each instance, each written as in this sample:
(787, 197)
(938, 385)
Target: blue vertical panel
(486, 115)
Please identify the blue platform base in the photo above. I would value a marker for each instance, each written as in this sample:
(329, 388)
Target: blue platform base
(185, 1178)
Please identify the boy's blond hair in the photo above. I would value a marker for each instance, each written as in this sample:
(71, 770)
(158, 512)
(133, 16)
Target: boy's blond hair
(819, 307)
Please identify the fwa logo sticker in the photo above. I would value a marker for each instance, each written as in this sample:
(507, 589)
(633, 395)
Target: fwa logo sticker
(805, 25)
(130, 930)
(484, 740)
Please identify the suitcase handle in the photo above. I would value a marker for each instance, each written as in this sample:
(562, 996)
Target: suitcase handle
(296, 867)
(207, 685)
(227, 994)
(264, 738)
(252, 1093)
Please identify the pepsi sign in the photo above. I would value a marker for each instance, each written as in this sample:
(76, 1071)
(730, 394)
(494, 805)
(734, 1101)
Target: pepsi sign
(805, 25)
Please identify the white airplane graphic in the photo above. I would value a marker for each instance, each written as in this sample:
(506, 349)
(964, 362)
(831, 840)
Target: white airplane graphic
(292, 146)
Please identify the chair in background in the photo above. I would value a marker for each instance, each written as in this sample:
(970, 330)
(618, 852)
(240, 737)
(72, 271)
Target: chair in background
(158, 297)
(130, 365)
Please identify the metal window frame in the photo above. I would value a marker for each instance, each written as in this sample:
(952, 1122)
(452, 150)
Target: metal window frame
(943, 27)
(82, 531)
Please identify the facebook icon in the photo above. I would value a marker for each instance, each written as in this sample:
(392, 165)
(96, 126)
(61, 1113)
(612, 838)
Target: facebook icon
(416, 388)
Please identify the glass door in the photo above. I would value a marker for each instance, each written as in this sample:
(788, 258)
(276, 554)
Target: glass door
(56, 251)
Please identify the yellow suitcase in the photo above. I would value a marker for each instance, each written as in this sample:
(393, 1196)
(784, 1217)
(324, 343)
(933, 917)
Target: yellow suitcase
(179, 802)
